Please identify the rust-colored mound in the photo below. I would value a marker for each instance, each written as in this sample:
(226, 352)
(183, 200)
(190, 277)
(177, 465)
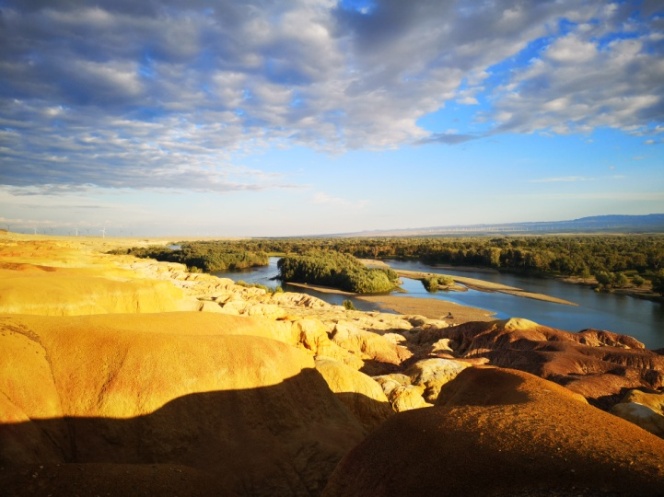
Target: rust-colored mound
(180, 389)
(498, 432)
(599, 365)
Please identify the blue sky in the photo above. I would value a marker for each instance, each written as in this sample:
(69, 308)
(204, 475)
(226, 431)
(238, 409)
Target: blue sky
(296, 117)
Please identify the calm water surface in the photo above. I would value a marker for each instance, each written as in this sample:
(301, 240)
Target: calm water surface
(642, 319)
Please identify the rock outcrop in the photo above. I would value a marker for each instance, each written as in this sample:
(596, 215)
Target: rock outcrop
(251, 414)
(645, 409)
(497, 432)
(360, 393)
(56, 291)
(599, 365)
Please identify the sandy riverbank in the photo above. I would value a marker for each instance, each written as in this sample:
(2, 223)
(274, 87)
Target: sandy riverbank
(451, 312)
(431, 308)
(486, 286)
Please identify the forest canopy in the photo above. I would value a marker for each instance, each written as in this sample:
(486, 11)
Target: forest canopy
(209, 257)
(613, 261)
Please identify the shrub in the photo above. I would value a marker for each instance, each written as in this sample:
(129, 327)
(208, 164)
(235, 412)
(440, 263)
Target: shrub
(434, 283)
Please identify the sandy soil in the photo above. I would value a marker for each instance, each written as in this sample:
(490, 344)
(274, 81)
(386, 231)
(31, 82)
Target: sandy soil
(431, 308)
(321, 289)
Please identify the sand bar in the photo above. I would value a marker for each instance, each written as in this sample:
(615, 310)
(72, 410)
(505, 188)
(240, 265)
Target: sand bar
(431, 308)
(486, 286)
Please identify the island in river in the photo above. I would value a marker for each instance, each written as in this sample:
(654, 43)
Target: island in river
(436, 308)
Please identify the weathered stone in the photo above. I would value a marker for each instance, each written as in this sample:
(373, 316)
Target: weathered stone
(500, 433)
(185, 389)
(270, 311)
(643, 409)
(432, 374)
(600, 372)
(361, 394)
(367, 345)
(403, 396)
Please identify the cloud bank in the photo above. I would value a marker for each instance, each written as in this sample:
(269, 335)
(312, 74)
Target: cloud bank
(168, 94)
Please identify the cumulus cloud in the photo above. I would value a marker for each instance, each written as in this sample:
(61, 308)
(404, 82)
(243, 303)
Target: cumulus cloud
(165, 94)
(600, 74)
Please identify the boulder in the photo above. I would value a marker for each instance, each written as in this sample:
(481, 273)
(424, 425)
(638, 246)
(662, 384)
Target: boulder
(360, 393)
(401, 393)
(497, 433)
(432, 374)
(379, 354)
(312, 335)
(645, 409)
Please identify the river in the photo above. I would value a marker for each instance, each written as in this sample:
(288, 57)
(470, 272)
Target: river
(642, 319)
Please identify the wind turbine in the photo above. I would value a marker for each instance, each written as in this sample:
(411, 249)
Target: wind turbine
(103, 232)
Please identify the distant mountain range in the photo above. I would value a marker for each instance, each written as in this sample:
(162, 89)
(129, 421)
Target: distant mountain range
(649, 223)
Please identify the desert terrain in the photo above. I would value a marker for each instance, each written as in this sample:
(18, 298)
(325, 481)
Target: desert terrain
(123, 376)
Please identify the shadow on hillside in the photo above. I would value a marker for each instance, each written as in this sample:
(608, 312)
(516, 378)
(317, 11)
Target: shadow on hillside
(277, 440)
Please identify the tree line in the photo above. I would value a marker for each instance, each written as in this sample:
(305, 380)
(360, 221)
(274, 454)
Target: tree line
(614, 261)
(208, 257)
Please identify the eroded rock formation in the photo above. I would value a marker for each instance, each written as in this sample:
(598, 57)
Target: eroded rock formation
(139, 377)
(599, 365)
(498, 432)
(186, 389)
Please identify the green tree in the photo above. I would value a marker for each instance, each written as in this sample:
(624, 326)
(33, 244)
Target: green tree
(658, 282)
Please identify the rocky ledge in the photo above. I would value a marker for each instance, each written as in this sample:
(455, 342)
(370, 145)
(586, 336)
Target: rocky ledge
(131, 377)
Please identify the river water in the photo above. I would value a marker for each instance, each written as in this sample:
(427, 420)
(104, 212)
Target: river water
(642, 319)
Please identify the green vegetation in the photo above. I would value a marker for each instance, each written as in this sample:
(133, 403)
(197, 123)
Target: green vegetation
(348, 305)
(631, 261)
(336, 270)
(209, 257)
(658, 282)
(617, 261)
(434, 283)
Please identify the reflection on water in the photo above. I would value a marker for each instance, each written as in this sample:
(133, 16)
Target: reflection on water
(641, 319)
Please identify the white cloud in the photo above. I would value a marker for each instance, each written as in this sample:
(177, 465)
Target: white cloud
(592, 77)
(137, 94)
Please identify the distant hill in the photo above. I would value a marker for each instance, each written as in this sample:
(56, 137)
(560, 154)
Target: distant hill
(615, 223)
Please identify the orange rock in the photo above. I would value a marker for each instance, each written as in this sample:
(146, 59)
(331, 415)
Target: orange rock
(498, 432)
(361, 394)
(598, 365)
(183, 389)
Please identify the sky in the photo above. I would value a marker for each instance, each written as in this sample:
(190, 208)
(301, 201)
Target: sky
(301, 117)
